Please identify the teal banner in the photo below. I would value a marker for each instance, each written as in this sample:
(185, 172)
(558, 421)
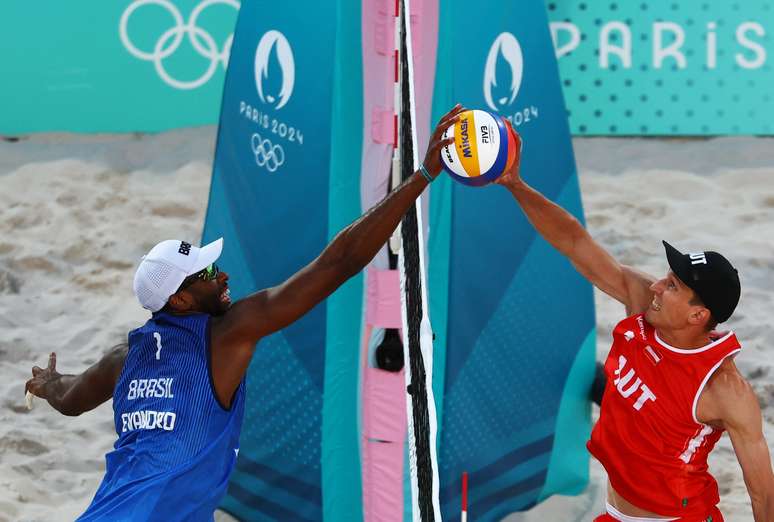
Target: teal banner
(516, 414)
(628, 68)
(663, 67)
(282, 185)
(119, 66)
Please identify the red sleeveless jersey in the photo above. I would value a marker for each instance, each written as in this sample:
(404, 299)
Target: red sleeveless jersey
(647, 437)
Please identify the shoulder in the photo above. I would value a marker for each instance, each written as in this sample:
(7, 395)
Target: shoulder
(728, 397)
(118, 352)
(114, 357)
(234, 329)
(728, 382)
(109, 367)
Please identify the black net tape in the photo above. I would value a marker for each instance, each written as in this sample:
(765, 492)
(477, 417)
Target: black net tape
(413, 290)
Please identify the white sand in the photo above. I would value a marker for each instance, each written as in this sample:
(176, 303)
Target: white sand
(77, 212)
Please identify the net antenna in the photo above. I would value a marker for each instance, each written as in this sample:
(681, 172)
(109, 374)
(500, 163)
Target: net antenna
(418, 335)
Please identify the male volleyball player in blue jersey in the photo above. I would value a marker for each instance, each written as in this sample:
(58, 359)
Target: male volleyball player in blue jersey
(178, 386)
(672, 384)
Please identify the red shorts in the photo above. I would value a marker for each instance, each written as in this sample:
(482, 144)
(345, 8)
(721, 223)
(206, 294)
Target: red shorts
(715, 516)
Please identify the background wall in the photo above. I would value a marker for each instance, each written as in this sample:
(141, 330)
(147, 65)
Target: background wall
(119, 66)
(656, 67)
(662, 67)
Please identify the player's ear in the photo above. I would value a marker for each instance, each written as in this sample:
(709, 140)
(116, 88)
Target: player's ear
(699, 315)
(181, 301)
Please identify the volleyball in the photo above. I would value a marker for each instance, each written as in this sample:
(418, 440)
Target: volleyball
(483, 148)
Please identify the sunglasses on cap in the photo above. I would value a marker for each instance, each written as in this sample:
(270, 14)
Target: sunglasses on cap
(207, 274)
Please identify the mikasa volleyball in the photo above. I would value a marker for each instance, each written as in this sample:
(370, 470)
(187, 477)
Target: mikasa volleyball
(484, 148)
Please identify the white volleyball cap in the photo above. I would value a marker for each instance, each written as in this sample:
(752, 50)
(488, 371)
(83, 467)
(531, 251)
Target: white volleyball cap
(163, 269)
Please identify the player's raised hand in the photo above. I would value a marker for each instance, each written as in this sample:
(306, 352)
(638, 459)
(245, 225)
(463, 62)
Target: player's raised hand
(432, 160)
(41, 377)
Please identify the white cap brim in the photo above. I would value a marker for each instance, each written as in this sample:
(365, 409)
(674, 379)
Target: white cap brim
(208, 254)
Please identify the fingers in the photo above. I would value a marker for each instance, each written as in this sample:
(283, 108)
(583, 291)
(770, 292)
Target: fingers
(437, 144)
(31, 387)
(451, 115)
(454, 110)
(444, 143)
(37, 370)
(443, 126)
(448, 119)
(516, 135)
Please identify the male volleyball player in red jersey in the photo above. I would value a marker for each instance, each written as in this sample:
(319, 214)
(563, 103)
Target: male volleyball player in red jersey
(672, 386)
(175, 451)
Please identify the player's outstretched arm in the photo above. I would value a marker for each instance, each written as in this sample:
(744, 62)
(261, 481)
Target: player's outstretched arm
(730, 399)
(272, 309)
(76, 394)
(567, 235)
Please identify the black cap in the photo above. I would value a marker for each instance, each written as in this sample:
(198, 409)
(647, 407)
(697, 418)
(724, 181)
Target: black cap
(711, 276)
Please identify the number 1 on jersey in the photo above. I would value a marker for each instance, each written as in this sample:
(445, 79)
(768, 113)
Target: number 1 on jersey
(157, 336)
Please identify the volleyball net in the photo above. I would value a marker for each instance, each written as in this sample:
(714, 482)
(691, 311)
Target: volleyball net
(418, 336)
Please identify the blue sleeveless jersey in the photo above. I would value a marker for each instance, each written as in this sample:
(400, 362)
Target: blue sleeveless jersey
(176, 444)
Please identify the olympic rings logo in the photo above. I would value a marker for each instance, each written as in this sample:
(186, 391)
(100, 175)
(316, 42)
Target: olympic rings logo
(267, 155)
(169, 41)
